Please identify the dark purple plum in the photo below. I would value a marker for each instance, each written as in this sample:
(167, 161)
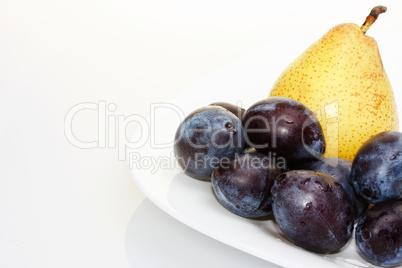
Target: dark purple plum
(236, 110)
(339, 169)
(243, 185)
(205, 137)
(379, 234)
(377, 168)
(286, 127)
(312, 210)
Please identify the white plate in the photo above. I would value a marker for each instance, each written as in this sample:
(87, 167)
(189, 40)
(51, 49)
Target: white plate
(191, 201)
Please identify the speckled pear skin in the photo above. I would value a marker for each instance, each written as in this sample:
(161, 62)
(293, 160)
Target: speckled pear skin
(342, 79)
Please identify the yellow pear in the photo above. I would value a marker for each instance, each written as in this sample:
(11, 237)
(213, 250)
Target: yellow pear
(342, 79)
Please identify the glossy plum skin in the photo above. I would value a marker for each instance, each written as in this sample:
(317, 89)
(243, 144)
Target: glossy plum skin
(234, 109)
(312, 210)
(339, 169)
(379, 234)
(377, 168)
(205, 137)
(286, 127)
(243, 185)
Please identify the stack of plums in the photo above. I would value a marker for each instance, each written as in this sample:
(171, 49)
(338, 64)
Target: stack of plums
(270, 158)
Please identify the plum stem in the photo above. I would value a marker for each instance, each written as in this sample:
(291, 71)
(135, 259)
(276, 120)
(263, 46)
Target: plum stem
(372, 17)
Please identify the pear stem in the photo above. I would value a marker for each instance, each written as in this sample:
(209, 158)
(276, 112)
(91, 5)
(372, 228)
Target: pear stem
(372, 17)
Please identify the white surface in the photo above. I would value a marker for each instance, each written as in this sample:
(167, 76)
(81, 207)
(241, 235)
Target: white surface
(151, 230)
(63, 206)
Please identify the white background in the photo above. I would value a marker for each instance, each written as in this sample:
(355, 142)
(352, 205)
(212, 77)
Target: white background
(63, 206)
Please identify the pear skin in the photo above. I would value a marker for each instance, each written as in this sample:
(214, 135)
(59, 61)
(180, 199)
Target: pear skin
(342, 79)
